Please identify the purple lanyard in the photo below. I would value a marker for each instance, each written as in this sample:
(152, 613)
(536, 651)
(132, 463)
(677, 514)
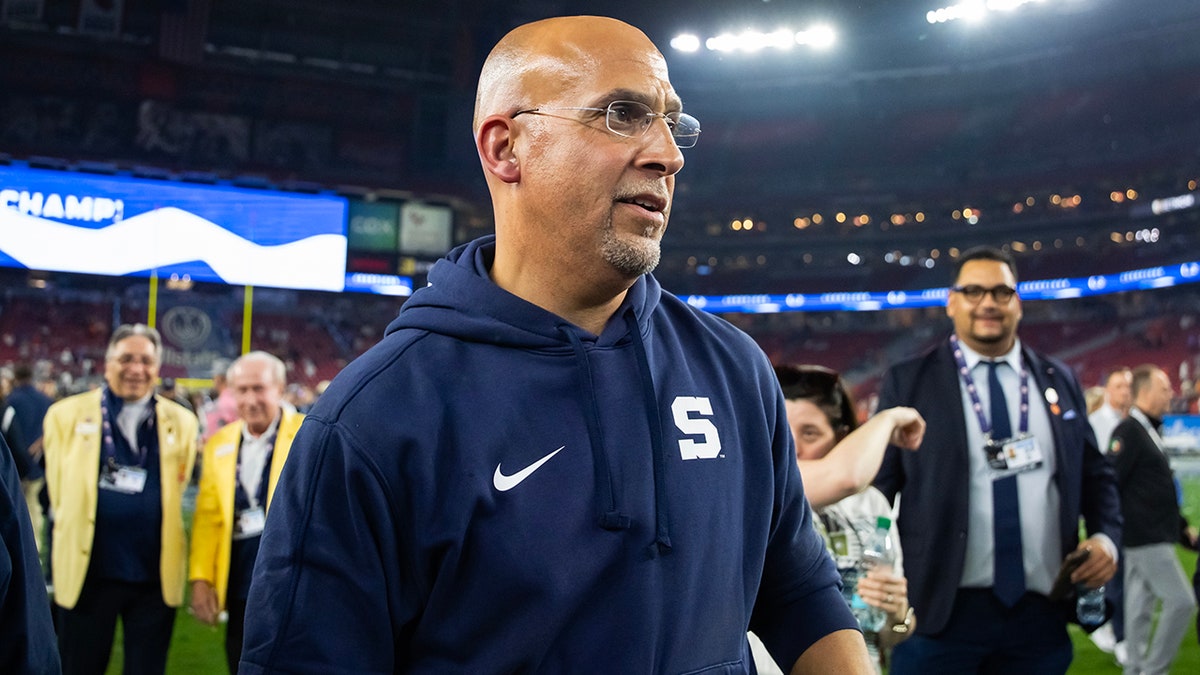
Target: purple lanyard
(108, 447)
(260, 495)
(985, 424)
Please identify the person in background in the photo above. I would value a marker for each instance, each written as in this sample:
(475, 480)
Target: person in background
(992, 501)
(854, 453)
(1114, 407)
(29, 406)
(1153, 525)
(220, 409)
(822, 418)
(1094, 398)
(241, 467)
(550, 464)
(170, 390)
(1118, 398)
(27, 640)
(117, 462)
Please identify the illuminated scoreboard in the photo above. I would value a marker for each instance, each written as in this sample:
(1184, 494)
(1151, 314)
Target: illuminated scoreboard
(114, 225)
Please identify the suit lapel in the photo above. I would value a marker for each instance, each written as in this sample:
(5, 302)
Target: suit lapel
(1044, 377)
(224, 459)
(948, 390)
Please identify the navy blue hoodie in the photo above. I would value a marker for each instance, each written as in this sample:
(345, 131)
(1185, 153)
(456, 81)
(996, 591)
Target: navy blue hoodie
(27, 640)
(491, 489)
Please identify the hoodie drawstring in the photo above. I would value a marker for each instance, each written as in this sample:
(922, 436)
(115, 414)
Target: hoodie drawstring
(662, 522)
(610, 517)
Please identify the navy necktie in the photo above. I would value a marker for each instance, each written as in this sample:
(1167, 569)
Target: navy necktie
(1009, 570)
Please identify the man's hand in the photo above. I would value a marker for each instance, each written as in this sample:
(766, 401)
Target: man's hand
(204, 602)
(1190, 537)
(1098, 568)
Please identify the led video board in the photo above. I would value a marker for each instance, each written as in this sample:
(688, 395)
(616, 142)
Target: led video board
(115, 225)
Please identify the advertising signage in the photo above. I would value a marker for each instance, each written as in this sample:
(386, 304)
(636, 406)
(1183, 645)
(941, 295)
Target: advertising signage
(425, 229)
(373, 226)
(118, 226)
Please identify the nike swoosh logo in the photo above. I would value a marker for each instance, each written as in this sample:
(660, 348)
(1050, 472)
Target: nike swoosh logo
(505, 483)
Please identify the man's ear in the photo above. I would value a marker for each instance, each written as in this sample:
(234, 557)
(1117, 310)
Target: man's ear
(494, 141)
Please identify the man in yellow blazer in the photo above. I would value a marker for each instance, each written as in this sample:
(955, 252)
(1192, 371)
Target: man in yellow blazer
(117, 462)
(241, 465)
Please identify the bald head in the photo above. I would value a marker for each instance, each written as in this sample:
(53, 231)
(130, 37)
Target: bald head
(555, 53)
(579, 208)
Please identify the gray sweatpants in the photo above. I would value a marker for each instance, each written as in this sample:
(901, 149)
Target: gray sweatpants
(1152, 575)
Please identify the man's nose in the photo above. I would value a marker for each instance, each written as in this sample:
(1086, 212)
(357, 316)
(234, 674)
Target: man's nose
(661, 153)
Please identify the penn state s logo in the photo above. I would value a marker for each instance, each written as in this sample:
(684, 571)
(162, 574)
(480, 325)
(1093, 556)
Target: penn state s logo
(693, 416)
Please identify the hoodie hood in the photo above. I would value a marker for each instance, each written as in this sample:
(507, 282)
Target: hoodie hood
(462, 301)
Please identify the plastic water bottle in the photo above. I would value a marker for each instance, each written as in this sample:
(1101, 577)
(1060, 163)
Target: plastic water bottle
(1089, 608)
(850, 588)
(879, 551)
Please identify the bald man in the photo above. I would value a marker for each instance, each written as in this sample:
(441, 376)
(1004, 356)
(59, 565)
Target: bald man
(550, 464)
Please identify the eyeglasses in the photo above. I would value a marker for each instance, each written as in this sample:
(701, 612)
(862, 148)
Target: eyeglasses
(807, 381)
(632, 120)
(974, 293)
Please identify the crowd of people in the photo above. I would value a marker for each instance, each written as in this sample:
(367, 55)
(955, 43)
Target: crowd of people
(551, 464)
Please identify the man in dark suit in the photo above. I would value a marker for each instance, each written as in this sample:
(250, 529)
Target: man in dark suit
(991, 504)
(25, 409)
(1153, 525)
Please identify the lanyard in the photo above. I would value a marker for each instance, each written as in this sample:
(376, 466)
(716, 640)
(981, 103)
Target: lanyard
(260, 495)
(1142, 419)
(985, 425)
(108, 447)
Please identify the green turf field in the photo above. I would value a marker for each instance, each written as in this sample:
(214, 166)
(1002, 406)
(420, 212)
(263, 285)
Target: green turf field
(197, 649)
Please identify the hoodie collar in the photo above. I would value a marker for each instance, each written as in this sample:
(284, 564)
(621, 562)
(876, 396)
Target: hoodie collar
(462, 300)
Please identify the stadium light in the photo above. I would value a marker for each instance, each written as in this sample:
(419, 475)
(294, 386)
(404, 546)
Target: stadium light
(974, 10)
(686, 42)
(820, 36)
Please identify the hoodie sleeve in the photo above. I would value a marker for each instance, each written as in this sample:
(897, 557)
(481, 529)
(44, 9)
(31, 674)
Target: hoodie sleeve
(800, 599)
(28, 644)
(326, 595)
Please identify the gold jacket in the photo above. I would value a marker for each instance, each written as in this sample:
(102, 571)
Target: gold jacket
(212, 526)
(71, 440)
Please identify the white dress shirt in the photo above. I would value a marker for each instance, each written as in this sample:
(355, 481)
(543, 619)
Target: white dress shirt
(132, 415)
(253, 458)
(1038, 494)
(1104, 421)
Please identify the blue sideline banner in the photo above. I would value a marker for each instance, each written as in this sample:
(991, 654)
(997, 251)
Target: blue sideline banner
(117, 226)
(1043, 289)
(1181, 433)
